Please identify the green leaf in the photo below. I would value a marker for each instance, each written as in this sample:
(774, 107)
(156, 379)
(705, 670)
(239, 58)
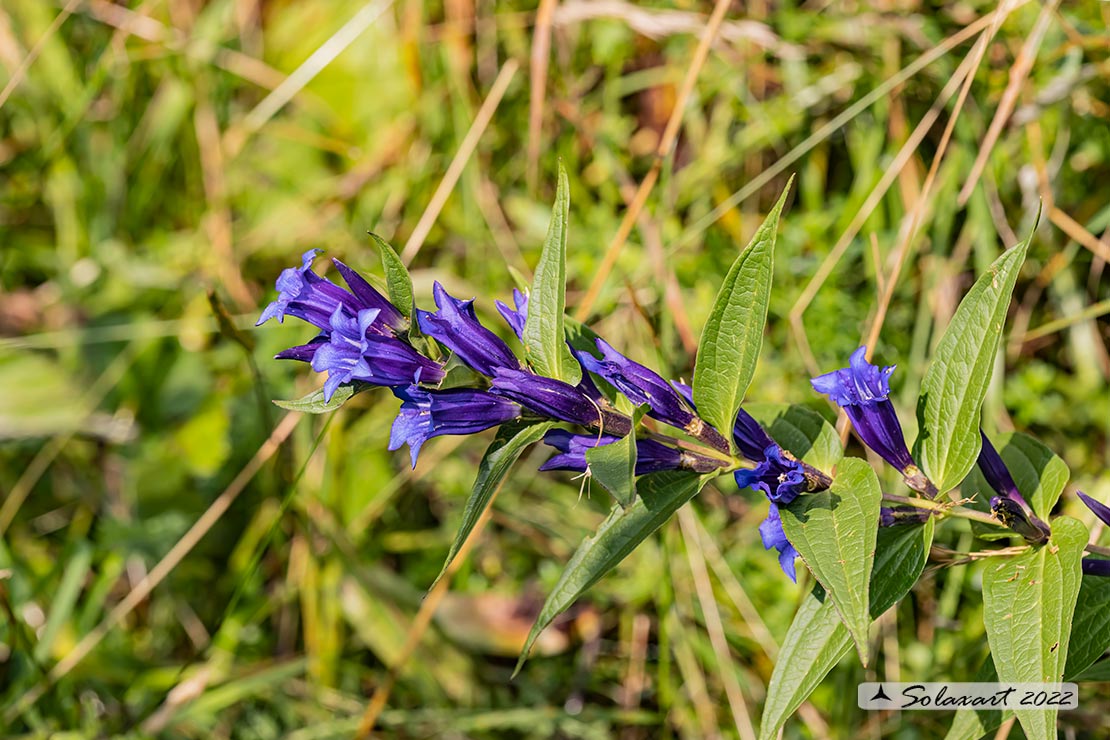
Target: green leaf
(733, 333)
(956, 382)
(1038, 472)
(1028, 602)
(499, 458)
(544, 339)
(1097, 673)
(834, 531)
(660, 496)
(314, 402)
(971, 724)
(397, 281)
(1090, 627)
(614, 465)
(817, 639)
(1090, 637)
(801, 431)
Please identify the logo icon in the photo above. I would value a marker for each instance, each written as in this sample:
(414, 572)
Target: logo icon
(880, 694)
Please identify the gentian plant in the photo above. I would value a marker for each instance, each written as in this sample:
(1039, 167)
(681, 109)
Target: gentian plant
(654, 443)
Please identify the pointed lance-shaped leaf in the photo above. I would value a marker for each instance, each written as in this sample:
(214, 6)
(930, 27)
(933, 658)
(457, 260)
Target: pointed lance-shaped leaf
(511, 441)
(834, 531)
(397, 281)
(545, 346)
(817, 640)
(660, 496)
(956, 382)
(1028, 604)
(733, 333)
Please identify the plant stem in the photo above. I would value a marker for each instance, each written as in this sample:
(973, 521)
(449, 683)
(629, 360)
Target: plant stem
(939, 508)
(978, 516)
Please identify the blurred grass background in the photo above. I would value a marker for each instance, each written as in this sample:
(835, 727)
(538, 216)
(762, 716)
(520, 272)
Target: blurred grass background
(153, 152)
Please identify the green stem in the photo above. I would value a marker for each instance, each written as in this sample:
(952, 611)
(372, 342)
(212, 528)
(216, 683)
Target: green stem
(963, 513)
(727, 461)
(939, 508)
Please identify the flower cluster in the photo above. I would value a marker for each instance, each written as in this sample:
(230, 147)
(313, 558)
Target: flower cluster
(364, 337)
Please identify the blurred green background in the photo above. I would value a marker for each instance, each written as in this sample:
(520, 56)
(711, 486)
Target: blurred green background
(154, 152)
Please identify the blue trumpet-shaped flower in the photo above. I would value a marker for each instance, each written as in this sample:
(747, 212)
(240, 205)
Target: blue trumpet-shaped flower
(862, 390)
(778, 474)
(779, 477)
(388, 314)
(652, 456)
(773, 535)
(639, 384)
(304, 352)
(1102, 511)
(429, 413)
(456, 326)
(1096, 566)
(1009, 505)
(515, 319)
(557, 400)
(352, 353)
(751, 439)
(307, 296)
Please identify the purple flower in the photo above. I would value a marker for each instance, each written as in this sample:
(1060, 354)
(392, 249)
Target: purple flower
(751, 439)
(698, 428)
(861, 389)
(995, 471)
(557, 400)
(1009, 506)
(896, 515)
(639, 384)
(428, 413)
(307, 296)
(1102, 511)
(651, 456)
(777, 473)
(1096, 567)
(456, 326)
(772, 533)
(370, 298)
(352, 353)
(303, 352)
(778, 476)
(515, 319)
